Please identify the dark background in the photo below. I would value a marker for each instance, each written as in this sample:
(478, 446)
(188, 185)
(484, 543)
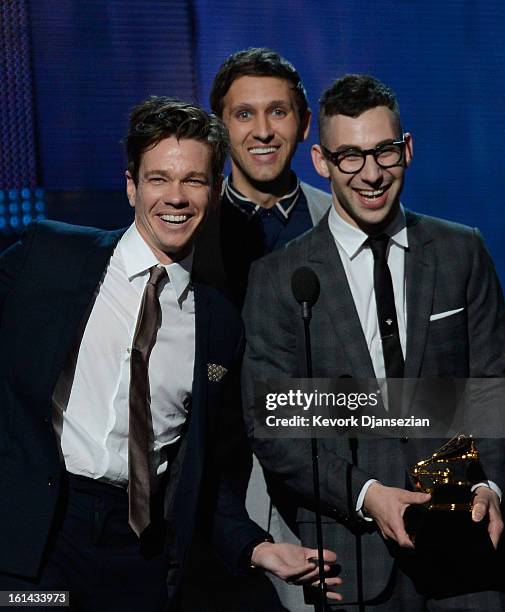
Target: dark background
(90, 62)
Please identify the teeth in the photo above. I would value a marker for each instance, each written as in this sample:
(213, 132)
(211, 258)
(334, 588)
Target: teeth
(371, 194)
(174, 218)
(262, 150)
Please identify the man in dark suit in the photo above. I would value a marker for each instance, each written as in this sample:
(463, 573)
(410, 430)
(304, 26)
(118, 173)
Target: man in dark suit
(446, 318)
(115, 432)
(262, 100)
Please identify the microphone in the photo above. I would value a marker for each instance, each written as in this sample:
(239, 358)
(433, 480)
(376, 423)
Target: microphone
(306, 288)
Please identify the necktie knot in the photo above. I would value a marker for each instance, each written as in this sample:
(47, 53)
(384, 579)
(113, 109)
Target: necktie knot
(157, 273)
(379, 245)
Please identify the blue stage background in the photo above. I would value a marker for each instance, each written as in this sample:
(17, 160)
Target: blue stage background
(93, 60)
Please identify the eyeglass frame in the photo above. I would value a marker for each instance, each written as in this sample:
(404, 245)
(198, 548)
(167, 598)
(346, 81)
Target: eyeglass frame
(332, 155)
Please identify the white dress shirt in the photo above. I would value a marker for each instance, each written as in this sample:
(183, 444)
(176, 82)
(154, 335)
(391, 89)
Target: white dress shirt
(357, 259)
(91, 398)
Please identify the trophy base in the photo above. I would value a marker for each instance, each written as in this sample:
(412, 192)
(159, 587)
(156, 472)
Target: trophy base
(453, 554)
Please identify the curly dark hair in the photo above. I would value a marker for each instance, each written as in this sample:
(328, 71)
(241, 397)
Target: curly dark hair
(352, 95)
(160, 117)
(256, 61)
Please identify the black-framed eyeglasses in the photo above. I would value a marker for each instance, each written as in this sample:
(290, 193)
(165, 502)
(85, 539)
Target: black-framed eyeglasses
(352, 160)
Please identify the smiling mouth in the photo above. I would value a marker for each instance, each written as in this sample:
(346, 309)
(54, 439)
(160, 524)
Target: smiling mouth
(174, 219)
(263, 150)
(372, 194)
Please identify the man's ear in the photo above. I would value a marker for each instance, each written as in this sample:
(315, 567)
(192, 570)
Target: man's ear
(131, 188)
(319, 161)
(409, 148)
(305, 120)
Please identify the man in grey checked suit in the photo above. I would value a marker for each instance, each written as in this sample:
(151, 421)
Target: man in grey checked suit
(451, 323)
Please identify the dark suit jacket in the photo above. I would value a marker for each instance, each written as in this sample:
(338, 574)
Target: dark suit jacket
(47, 283)
(228, 244)
(447, 268)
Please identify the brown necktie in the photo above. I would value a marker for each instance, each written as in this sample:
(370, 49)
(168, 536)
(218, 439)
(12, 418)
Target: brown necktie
(139, 478)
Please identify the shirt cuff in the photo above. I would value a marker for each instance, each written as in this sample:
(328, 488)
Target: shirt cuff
(489, 484)
(361, 499)
(247, 555)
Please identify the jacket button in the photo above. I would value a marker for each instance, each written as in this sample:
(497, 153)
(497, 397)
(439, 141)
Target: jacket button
(50, 482)
(405, 440)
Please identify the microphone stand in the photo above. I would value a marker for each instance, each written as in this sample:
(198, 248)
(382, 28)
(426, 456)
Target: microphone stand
(320, 605)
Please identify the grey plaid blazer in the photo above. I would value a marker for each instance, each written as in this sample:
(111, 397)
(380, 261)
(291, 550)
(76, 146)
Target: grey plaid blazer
(447, 268)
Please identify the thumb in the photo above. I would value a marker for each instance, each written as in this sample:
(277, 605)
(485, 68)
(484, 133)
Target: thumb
(416, 498)
(479, 510)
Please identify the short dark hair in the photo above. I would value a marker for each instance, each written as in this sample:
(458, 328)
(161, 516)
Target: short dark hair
(352, 95)
(256, 61)
(160, 117)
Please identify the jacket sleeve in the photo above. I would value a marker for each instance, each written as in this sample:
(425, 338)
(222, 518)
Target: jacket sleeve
(486, 314)
(11, 263)
(486, 333)
(234, 534)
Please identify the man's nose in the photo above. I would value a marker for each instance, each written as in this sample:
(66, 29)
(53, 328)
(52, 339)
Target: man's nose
(174, 194)
(262, 128)
(371, 171)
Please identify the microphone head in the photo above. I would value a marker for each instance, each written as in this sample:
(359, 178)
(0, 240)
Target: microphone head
(305, 285)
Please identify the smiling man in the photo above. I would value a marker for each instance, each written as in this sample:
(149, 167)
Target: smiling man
(261, 99)
(366, 195)
(177, 171)
(263, 103)
(402, 295)
(116, 436)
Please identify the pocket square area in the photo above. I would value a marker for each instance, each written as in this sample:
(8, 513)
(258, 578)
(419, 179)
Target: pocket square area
(215, 372)
(447, 313)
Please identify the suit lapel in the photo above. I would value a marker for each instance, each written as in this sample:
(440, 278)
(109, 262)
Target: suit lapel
(336, 298)
(188, 487)
(83, 276)
(196, 431)
(94, 264)
(420, 266)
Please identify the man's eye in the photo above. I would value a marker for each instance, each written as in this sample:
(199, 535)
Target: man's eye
(243, 115)
(279, 112)
(194, 181)
(156, 180)
(350, 155)
(388, 150)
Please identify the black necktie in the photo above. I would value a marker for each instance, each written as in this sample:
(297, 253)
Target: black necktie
(139, 478)
(386, 311)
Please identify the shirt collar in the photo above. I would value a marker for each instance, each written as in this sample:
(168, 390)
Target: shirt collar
(284, 205)
(352, 239)
(138, 258)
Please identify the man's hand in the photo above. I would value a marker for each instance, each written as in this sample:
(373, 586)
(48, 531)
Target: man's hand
(386, 505)
(289, 562)
(486, 502)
